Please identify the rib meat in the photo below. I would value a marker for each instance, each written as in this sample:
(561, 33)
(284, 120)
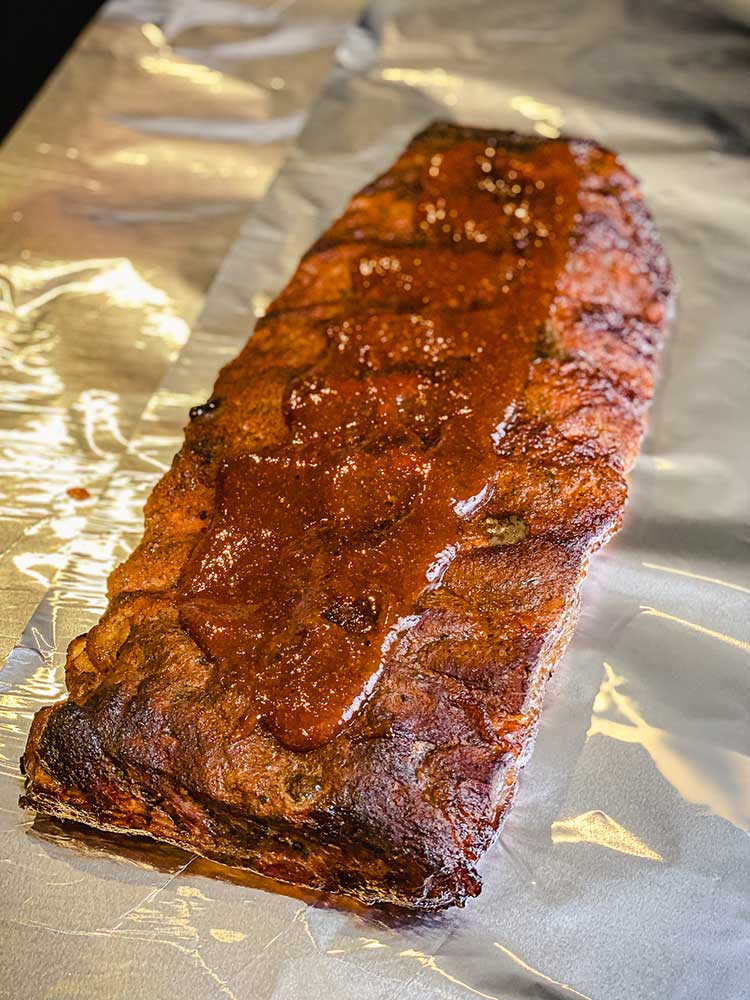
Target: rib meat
(326, 658)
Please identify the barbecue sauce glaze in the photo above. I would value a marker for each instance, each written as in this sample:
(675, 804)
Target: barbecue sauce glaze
(319, 548)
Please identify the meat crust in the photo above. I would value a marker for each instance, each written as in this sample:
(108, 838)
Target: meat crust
(472, 236)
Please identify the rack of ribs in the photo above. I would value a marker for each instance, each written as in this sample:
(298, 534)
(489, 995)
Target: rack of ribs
(326, 658)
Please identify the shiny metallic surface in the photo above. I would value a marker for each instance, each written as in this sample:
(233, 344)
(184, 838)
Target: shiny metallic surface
(624, 869)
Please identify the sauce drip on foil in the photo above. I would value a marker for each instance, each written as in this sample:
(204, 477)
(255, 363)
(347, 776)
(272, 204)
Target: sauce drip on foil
(319, 547)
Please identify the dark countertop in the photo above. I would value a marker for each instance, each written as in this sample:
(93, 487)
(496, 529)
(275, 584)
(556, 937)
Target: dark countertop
(36, 34)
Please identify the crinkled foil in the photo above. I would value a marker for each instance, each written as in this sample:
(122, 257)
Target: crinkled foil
(623, 872)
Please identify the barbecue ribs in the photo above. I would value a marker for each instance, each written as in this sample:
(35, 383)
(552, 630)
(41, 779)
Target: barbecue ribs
(325, 660)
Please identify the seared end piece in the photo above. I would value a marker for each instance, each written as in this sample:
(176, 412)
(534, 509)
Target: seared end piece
(159, 738)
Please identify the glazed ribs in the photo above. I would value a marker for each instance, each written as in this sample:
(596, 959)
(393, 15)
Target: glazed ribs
(325, 660)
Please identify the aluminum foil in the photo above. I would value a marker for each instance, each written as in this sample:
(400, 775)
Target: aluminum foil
(623, 872)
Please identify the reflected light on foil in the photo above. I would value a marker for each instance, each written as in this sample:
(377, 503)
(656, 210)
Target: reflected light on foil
(125, 287)
(42, 436)
(226, 936)
(99, 410)
(447, 84)
(171, 922)
(131, 158)
(596, 827)
(116, 278)
(536, 972)
(697, 576)
(27, 563)
(260, 303)
(66, 528)
(702, 773)
(167, 327)
(370, 944)
(548, 118)
(45, 685)
(154, 34)
(190, 892)
(420, 77)
(169, 66)
(428, 962)
(701, 629)
(125, 504)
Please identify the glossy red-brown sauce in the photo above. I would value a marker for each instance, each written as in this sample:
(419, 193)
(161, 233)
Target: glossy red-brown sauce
(319, 547)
